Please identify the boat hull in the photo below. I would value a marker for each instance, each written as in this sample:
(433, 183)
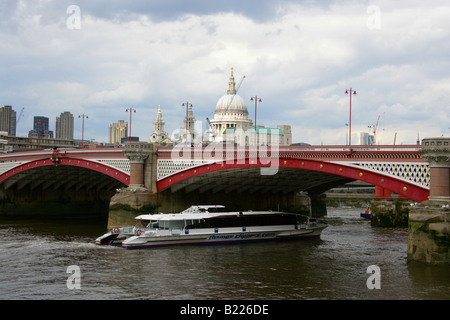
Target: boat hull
(365, 215)
(218, 239)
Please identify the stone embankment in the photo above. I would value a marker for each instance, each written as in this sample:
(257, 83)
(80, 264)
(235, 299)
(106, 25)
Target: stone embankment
(429, 233)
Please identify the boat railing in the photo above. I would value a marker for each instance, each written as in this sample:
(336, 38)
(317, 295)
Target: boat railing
(128, 230)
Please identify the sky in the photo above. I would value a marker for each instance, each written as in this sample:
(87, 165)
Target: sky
(99, 58)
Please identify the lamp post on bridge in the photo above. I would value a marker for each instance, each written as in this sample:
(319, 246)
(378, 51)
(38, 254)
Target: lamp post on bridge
(256, 99)
(346, 134)
(187, 105)
(347, 91)
(82, 129)
(131, 110)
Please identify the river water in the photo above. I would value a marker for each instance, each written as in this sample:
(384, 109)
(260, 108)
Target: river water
(35, 257)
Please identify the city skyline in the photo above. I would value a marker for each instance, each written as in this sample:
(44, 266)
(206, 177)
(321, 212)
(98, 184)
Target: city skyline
(299, 57)
(119, 130)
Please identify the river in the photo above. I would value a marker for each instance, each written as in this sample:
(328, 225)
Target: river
(36, 255)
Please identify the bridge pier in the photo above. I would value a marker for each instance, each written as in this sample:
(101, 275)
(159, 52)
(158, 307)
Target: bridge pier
(318, 205)
(389, 212)
(382, 193)
(138, 153)
(429, 222)
(140, 196)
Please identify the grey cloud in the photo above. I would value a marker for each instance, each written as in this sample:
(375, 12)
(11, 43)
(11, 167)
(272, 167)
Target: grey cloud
(162, 10)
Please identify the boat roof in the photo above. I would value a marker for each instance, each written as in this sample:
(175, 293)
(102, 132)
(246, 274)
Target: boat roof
(179, 216)
(200, 215)
(197, 211)
(202, 208)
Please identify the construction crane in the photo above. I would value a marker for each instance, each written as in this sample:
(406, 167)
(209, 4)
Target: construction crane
(239, 85)
(20, 116)
(375, 128)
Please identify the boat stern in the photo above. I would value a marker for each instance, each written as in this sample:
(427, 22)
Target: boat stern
(109, 239)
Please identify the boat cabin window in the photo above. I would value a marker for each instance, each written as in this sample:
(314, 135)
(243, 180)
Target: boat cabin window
(217, 209)
(241, 220)
(154, 225)
(172, 224)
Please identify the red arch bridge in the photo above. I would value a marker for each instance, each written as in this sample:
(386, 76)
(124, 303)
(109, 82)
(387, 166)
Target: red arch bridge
(225, 169)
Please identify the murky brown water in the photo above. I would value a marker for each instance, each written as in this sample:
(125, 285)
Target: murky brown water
(35, 255)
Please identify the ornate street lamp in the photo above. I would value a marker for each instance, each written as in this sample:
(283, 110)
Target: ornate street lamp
(187, 105)
(131, 110)
(347, 91)
(82, 130)
(256, 99)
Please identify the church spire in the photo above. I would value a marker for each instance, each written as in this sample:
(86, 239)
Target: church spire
(231, 84)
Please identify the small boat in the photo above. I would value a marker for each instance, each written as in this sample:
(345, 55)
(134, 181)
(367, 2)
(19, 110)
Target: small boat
(366, 214)
(205, 225)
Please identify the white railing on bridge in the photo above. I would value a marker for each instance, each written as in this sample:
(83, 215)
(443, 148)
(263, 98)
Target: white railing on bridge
(112, 157)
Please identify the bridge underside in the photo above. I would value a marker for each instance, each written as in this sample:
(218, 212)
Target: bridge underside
(288, 176)
(246, 189)
(61, 178)
(250, 180)
(57, 189)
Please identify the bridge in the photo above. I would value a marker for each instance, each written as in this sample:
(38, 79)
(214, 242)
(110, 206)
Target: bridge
(56, 181)
(218, 169)
(116, 181)
(286, 169)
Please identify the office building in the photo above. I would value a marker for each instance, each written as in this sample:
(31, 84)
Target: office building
(117, 131)
(64, 126)
(8, 120)
(40, 128)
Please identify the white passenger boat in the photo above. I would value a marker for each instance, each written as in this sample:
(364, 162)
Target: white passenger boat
(202, 225)
(116, 235)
